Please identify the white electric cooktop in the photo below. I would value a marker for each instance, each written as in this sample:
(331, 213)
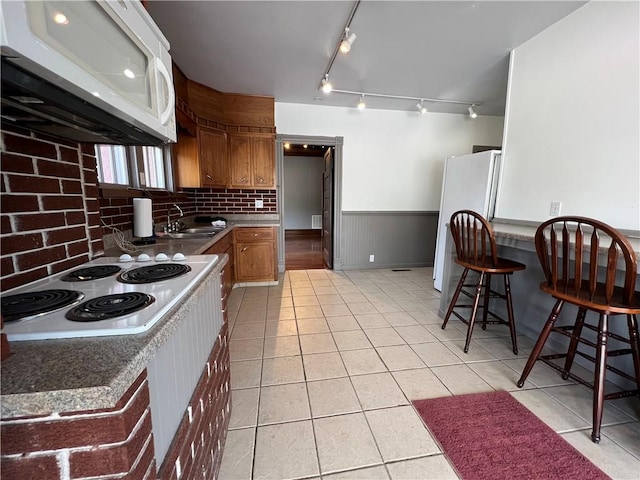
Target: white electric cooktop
(165, 294)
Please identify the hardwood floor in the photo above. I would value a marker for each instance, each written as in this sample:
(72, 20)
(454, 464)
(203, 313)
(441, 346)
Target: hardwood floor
(303, 250)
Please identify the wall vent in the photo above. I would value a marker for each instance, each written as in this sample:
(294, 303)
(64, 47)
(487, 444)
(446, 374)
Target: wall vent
(316, 221)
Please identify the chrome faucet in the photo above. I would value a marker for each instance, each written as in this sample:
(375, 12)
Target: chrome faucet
(174, 226)
(179, 209)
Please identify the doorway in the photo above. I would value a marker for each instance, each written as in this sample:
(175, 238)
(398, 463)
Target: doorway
(309, 197)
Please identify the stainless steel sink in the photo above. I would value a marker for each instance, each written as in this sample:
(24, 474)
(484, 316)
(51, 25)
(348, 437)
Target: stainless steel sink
(204, 229)
(190, 234)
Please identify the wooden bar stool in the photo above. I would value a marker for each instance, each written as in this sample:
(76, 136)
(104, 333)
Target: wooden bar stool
(476, 251)
(580, 257)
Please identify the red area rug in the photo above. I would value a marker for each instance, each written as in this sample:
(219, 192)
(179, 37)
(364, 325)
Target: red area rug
(493, 436)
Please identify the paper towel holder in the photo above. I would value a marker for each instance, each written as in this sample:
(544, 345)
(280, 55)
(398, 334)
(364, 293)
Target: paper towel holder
(143, 227)
(145, 241)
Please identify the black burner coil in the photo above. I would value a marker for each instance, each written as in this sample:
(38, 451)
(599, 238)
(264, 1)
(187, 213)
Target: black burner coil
(110, 306)
(91, 273)
(154, 273)
(21, 305)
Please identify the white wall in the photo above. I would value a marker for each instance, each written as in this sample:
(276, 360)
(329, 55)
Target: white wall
(303, 190)
(392, 160)
(572, 124)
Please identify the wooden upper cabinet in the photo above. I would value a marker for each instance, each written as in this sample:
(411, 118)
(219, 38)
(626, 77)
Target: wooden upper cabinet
(213, 157)
(240, 161)
(251, 161)
(225, 140)
(264, 164)
(201, 161)
(185, 160)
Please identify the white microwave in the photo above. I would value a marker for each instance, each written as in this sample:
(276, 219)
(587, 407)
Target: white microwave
(94, 71)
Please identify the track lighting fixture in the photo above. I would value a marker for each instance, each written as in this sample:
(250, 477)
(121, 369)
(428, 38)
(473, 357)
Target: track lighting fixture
(347, 42)
(344, 45)
(326, 85)
(420, 106)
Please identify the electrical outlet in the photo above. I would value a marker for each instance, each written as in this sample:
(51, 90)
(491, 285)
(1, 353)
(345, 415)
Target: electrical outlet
(259, 203)
(372, 258)
(554, 210)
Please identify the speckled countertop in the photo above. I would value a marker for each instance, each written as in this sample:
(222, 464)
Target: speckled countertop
(49, 376)
(197, 246)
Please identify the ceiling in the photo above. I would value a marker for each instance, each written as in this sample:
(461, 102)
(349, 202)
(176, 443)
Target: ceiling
(452, 50)
(303, 150)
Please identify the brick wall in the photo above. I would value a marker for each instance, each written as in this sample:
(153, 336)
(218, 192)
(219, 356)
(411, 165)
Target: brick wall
(50, 218)
(196, 450)
(235, 201)
(51, 206)
(95, 444)
(118, 212)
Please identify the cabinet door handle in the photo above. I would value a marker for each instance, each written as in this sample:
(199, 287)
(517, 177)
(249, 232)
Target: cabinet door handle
(255, 234)
(244, 249)
(260, 180)
(243, 180)
(209, 177)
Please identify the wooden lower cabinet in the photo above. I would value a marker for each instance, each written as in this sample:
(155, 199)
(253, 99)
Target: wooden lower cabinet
(255, 254)
(225, 245)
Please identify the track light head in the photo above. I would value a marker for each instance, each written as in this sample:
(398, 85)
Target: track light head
(361, 103)
(421, 108)
(472, 112)
(325, 85)
(347, 42)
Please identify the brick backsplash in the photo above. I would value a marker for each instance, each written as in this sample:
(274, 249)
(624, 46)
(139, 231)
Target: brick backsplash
(118, 212)
(51, 210)
(49, 219)
(236, 201)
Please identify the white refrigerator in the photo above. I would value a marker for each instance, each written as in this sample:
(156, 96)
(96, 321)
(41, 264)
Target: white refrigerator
(469, 182)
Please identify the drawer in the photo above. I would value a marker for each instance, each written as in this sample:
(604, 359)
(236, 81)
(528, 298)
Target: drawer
(247, 234)
(221, 246)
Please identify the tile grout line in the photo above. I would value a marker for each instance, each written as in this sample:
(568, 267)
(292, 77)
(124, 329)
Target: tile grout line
(370, 295)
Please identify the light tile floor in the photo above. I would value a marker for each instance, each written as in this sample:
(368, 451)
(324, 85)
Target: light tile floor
(325, 365)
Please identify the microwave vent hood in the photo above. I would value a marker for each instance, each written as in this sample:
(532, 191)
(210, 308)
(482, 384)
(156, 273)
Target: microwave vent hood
(31, 102)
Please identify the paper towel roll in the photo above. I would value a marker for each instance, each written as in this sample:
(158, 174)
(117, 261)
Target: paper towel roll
(142, 218)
